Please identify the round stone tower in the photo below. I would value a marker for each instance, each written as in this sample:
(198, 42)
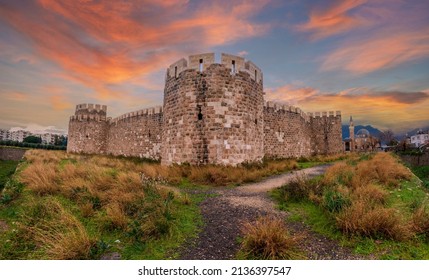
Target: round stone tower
(88, 129)
(213, 112)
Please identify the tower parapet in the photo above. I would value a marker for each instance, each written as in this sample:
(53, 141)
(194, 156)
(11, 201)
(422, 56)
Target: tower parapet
(200, 63)
(88, 129)
(91, 109)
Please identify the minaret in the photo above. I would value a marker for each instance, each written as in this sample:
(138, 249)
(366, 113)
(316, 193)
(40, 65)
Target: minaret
(352, 135)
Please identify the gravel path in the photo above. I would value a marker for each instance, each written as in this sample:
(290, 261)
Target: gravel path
(226, 211)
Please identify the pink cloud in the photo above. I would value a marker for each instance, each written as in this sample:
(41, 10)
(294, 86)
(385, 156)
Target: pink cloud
(380, 51)
(337, 18)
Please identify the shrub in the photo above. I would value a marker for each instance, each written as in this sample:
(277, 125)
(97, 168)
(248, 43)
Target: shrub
(420, 220)
(335, 200)
(364, 219)
(300, 188)
(340, 173)
(370, 193)
(382, 168)
(269, 239)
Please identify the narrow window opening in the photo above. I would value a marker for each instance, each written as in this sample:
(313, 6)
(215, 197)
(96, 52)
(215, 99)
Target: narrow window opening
(175, 71)
(233, 67)
(256, 121)
(149, 134)
(256, 76)
(201, 65)
(87, 136)
(200, 115)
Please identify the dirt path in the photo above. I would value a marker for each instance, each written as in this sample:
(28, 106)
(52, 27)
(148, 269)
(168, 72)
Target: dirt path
(225, 212)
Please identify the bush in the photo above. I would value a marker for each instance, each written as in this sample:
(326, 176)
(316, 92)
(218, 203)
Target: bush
(300, 188)
(364, 219)
(420, 220)
(268, 239)
(335, 201)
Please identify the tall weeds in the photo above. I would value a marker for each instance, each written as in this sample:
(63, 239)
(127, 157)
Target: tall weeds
(356, 195)
(268, 239)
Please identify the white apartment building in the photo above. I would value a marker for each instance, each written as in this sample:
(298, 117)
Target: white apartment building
(18, 135)
(4, 134)
(420, 138)
(48, 138)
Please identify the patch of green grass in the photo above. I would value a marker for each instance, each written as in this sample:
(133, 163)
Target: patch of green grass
(308, 164)
(423, 173)
(7, 168)
(186, 226)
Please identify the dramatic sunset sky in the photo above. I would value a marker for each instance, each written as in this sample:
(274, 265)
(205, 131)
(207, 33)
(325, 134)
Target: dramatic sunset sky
(369, 59)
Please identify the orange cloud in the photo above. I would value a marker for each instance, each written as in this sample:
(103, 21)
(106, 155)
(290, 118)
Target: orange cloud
(333, 20)
(387, 109)
(16, 96)
(291, 94)
(60, 103)
(99, 43)
(384, 50)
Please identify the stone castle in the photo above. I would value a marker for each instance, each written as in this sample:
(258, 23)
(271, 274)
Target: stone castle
(213, 113)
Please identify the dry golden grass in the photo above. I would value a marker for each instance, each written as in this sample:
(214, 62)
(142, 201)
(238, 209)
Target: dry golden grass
(382, 168)
(420, 220)
(339, 173)
(60, 236)
(116, 216)
(41, 178)
(43, 156)
(95, 183)
(225, 175)
(363, 218)
(269, 239)
(370, 193)
(356, 194)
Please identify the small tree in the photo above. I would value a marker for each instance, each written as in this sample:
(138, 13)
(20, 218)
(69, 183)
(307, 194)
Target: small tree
(388, 137)
(32, 139)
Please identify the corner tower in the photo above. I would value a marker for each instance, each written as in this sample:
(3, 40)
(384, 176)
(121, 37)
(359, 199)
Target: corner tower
(213, 112)
(88, 129)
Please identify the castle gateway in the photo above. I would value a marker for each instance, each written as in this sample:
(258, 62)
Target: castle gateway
(213, 113)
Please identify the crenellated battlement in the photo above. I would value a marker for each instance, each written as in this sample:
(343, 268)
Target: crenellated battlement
(200, 62)
(87, 109)
(325, 114)
(142, 112)
(286, 108)
(90, 117)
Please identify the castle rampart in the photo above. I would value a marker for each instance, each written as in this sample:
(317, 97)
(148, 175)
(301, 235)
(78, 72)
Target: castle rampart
(136, 134)
(286, 132)
(213, 113)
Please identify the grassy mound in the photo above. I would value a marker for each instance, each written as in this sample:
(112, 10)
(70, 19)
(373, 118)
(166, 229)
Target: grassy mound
(63, 206)
(362, 201)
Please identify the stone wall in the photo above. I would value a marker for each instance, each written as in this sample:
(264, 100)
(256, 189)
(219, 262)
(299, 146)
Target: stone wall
(213, 113)
(10, 153)
(416, 160)
(286, 132)
(136, 134)
(325, 133)
(212, 116)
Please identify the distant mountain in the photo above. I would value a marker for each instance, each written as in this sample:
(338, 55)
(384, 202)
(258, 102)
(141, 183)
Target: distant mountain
(412, 132)
(372, 130)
